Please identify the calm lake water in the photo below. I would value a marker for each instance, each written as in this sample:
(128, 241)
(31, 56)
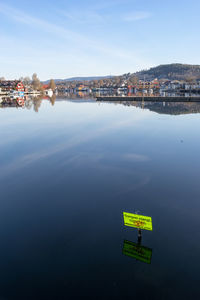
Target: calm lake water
(67, 173)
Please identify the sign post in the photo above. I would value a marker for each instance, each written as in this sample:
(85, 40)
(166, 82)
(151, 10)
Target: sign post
(136, 250)
(139, 236)
(138, 221)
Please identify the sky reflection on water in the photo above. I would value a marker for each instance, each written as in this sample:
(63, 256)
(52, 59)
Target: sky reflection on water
(67, 174)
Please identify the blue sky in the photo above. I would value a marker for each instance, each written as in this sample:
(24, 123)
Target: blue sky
(61, 39)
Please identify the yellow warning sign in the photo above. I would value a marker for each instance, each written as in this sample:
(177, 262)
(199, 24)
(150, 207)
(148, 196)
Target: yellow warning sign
(137, 221)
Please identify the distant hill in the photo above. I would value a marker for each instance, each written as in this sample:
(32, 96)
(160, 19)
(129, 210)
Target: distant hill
(79, 79)
(171, 71)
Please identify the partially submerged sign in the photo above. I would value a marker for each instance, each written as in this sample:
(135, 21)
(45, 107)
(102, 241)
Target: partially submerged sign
(138, 252)
(137, 221)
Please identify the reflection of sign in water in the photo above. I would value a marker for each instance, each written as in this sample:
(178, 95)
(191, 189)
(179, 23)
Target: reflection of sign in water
(137, 221)
(138, 252)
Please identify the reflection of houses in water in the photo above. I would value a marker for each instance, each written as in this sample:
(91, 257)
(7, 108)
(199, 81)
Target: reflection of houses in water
(27, 102)
(20, 101)
(173, 108)
(12, 102)
(169, 108)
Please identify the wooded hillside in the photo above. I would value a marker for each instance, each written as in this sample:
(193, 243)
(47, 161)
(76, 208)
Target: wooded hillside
(171, 71)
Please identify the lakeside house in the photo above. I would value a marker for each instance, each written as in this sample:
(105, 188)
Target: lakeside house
(11, 85)
(47, 90)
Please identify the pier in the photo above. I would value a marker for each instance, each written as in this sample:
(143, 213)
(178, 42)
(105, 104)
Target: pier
(147, 98)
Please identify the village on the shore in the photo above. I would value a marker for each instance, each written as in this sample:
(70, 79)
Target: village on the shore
(21, 88)
(131, 87)
(17, 91)
(115, 84)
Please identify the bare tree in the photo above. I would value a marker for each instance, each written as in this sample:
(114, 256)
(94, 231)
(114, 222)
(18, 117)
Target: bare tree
(191, 79)
(27, 81)
(52, 84)
(134, 80)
